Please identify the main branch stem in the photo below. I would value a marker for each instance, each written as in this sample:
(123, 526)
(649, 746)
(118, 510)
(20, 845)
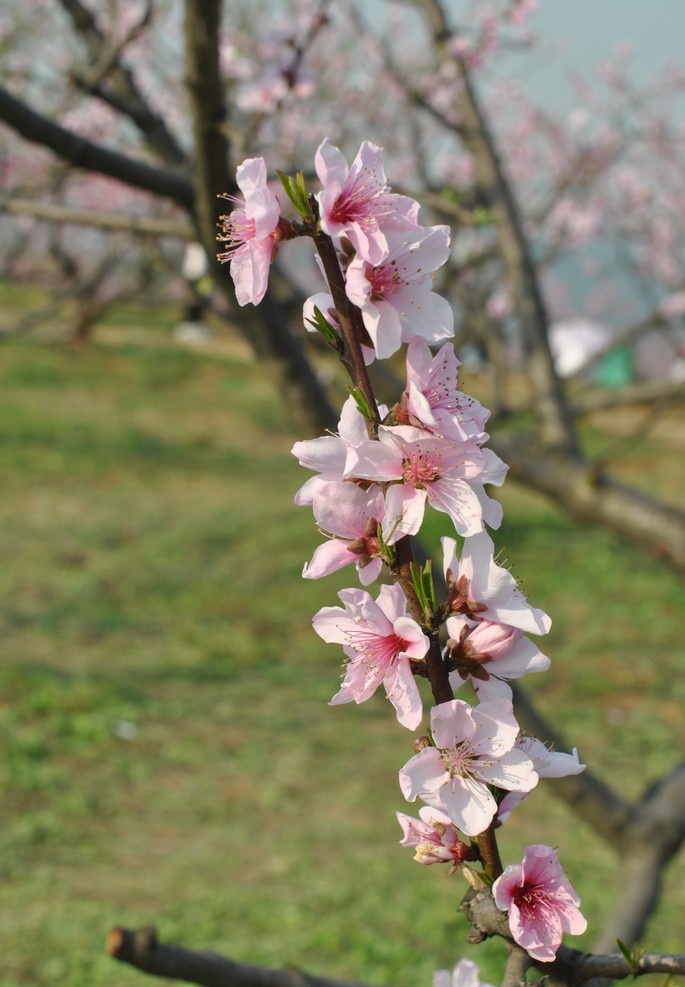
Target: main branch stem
(347, 315)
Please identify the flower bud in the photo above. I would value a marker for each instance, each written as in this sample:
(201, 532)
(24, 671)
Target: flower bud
(420, 743)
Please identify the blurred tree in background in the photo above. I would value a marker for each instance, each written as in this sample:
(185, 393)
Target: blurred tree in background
(123, 124)
(136, 114)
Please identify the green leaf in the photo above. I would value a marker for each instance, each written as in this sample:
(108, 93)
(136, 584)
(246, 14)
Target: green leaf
(422, 581)
(296, 191)
(323, 326)
(626, 952)
(362, 403)
(631, 956)
(386, 552)
(482, 217)
(451, 194)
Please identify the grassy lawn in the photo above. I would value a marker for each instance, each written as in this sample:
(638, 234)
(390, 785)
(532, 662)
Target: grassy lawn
(169, 755)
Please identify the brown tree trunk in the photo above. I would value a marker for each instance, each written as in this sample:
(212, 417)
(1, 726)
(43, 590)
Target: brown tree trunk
(279, 350)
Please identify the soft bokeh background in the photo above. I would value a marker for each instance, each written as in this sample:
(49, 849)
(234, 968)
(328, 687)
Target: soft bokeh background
(169, 757)
(169, 754)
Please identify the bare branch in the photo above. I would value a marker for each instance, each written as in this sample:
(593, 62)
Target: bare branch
(614, 966)
(485, 917)
(141, 949)
(644, 392)
(592, 496)
(515, 971)
(589, 796)
(55, 213)
(655, 835)
(106, 51)
(83, 153)
(495, 191)
(571, 967)
(123, 94)
(554, 414)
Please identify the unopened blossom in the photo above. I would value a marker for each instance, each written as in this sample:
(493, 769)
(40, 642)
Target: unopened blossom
(488, 654)
(395, 295)
(465, 974)
(250, 233)
(420, 468)
(350, 515)
(479, 588)
(474, 750)
(541, 902)
(357, 203)
(432, 399)
(380, 640)
(435, 837)
(547, 762)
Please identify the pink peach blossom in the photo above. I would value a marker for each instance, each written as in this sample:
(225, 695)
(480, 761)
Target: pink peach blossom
(422, 468)
(357, 203)
(480, 588)
(474, 750)
(465, 974)
(435, 837)
(350, 515)
(381, 640)
(548, 764)
(327, 454)
(250, 233)
(489, 654)
(395, 295)
(541, 903)
(432, 399)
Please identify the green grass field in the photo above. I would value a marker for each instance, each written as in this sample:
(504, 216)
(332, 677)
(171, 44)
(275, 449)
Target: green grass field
(169, 755)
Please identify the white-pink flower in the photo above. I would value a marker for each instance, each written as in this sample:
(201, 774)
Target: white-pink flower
(475, 748)
(541, 902)
(480, 588)
(357, 203)
(435, 837)
(432, 399)
(395, 295)
(250, 233)
(351, 516)
(420, 468)
(548, 764)
(465, 974)
(381, 640)
(327, 455)
(489, 654)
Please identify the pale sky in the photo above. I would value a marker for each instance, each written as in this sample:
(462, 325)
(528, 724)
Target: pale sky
(654, 28)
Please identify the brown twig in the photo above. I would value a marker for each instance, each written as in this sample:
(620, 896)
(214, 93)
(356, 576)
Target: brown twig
(352, 356)
(489, 852)
(141, 948)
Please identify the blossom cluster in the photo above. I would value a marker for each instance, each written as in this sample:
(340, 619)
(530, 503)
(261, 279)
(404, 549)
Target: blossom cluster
(372, 483)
